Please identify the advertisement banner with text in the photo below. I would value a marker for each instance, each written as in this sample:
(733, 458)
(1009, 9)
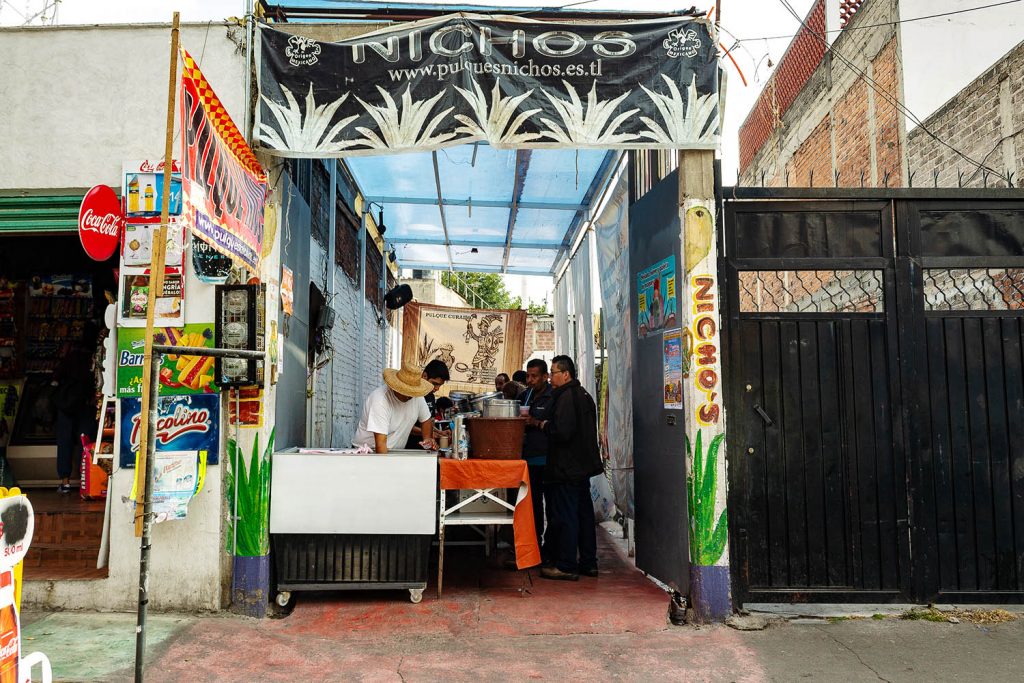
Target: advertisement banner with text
(509, 81)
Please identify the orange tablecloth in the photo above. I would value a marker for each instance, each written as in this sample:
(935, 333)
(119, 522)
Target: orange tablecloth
(506, 474)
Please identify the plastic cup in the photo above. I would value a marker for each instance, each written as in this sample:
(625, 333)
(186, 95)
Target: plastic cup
(524, 411)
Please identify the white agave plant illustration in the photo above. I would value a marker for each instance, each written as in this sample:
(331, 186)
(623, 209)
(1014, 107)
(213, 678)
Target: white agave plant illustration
(686, 121)
(406, 126)
(588, 125)
(492, 122)
(306, 134)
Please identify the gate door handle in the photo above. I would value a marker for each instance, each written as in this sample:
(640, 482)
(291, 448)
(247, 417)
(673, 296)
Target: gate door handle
(764, 416)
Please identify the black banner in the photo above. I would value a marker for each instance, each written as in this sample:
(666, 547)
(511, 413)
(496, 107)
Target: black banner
(511, 82)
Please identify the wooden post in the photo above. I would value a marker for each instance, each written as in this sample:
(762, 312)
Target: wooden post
(156, 282)
(710, 590)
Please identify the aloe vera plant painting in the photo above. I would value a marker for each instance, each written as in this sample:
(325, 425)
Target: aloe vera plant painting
(707, 536)
(252, 485)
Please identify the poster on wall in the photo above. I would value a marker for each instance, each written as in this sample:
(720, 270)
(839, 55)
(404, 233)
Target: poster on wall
(179, 375)
(138, 244)
(656, 297)
(176, 476)
(224, 186)
(245, 406)
(287, 290)
(142, 190)
(133, 295)
(184, 423)
(475, 344)
(672, 368)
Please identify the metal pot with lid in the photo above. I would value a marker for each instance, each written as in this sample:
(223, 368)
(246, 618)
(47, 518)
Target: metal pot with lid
(501, 407)
(461, 400)
(478, 401)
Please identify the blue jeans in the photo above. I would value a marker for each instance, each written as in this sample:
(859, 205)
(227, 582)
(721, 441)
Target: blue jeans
(571, 517)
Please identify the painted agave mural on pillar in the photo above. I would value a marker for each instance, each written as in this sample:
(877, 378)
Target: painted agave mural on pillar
(248, 530)
(707, 535)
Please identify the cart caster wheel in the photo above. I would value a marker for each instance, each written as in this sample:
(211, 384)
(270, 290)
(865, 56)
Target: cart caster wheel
(416, 595)
(283, 598)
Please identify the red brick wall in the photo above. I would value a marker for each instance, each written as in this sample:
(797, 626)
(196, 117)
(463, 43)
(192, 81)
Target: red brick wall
(814, 154)
(540, 335)
(796, 66)
(889, 155)
(853, 136)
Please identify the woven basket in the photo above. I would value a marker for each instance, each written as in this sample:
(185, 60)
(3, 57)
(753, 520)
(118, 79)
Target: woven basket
(496, 438)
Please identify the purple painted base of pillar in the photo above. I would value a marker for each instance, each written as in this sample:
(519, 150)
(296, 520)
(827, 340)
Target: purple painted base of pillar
(710, 594)
(250, 586)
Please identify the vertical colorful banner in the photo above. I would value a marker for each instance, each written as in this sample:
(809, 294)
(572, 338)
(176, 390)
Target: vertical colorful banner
(223, 185)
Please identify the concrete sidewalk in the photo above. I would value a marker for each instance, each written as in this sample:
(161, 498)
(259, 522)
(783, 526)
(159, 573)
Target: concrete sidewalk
(610, 628)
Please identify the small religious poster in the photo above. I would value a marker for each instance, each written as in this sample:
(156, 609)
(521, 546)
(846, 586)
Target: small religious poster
(672, 368)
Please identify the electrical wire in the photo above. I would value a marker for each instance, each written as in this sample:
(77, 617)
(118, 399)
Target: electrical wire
(892, 100)
(889, 23)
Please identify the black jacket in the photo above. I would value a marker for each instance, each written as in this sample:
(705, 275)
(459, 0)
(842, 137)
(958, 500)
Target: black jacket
(574, 454)
(535, 442)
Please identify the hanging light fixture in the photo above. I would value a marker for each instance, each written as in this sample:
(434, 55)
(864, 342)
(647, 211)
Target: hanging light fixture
(381, 228)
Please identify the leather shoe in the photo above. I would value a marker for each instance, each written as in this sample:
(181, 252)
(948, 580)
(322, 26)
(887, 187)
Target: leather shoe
(558, 575)
(592, 573)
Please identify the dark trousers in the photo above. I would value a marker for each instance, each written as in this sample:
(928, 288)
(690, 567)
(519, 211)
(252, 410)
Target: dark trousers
(69, 441)
(537, 494)
(571, 515)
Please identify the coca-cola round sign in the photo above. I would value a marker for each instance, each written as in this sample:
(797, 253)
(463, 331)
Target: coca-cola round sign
(100, 221)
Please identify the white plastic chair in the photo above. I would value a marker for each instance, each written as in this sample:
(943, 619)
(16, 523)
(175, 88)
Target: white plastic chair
(29, 662)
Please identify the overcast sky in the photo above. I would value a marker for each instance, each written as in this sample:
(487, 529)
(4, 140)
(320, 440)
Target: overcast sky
(750, 21)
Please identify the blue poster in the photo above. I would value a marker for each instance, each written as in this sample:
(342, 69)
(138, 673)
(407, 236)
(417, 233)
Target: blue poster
(656, 297)
(184, 423)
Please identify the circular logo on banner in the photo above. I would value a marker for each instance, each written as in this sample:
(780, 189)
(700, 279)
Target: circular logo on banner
(99, 222)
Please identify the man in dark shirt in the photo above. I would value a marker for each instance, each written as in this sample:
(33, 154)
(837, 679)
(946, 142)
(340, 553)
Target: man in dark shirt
(537, 398)
(573, 458)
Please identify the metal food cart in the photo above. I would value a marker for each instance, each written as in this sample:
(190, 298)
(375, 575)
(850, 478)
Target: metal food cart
(346, 521)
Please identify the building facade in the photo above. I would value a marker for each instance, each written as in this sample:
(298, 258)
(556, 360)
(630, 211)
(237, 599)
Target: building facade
(860, 100)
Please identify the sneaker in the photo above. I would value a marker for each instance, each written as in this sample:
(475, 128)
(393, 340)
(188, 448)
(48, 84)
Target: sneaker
(64, 488)
(589, 572)
(558, 575)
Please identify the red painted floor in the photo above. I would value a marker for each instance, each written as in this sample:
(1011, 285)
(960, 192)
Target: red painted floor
(482, 629)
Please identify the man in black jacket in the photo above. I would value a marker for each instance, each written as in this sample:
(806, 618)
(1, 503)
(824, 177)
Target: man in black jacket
(573, 458)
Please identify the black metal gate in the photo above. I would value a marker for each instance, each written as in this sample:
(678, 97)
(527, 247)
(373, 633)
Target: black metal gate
(876, 397)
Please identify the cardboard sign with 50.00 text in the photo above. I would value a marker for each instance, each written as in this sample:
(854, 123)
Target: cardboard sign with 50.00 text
(179, 375)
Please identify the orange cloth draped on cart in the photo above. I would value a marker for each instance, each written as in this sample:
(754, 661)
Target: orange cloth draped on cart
(492, 474)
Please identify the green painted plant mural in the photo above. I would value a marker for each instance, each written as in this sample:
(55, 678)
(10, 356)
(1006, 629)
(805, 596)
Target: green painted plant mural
(253, 488)
(707, 537)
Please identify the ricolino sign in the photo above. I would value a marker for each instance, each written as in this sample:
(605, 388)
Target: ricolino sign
(510, 82)
(184, 423)
(100, 221)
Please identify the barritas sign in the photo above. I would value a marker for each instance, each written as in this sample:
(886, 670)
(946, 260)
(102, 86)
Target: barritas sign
(508, 81)
(223, 185)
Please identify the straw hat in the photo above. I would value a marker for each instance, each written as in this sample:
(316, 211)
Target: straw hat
(408, 381)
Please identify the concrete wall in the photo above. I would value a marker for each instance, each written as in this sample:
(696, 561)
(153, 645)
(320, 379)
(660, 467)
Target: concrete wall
(942, 56)
(985, 121)
(77, 102)
(839, 123)
(431, 291)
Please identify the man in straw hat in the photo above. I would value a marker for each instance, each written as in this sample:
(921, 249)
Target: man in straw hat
(391, 411)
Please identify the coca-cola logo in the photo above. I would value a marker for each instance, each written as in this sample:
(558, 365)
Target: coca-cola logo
(107, 224)
(169, 427)
(148, 166)
(99, 223)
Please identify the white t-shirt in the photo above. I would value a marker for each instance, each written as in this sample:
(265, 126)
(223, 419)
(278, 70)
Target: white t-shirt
(383, 413)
